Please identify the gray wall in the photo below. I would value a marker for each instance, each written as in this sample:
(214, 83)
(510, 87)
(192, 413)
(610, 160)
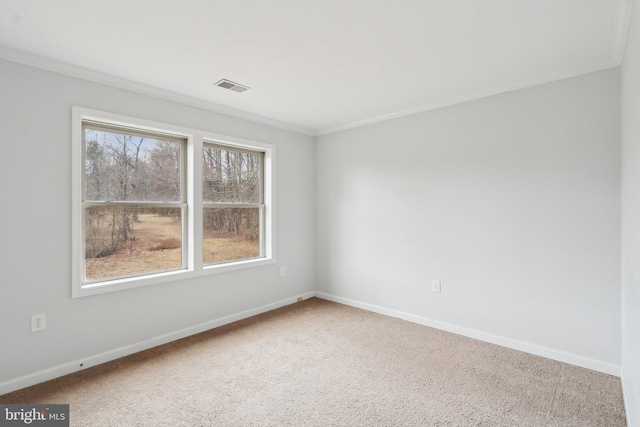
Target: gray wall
(631, 221)
(512, 201)
(35, 229)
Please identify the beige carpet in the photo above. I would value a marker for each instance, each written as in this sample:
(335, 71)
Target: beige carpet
(318, 363)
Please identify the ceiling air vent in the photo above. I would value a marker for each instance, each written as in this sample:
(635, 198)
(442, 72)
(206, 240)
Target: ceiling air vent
(236, 87)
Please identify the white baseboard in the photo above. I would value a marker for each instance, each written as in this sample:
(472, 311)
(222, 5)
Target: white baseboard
(549, 353)
(627, 397)
(78, 365)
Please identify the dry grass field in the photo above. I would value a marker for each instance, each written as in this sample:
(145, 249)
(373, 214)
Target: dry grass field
(220, 247)
(154, 246)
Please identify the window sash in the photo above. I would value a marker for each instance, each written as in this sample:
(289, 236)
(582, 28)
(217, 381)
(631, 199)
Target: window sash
(184, 243)
(261, 166)
(141, 133)
(261, 228)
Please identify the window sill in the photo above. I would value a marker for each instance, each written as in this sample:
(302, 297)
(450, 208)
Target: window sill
(96, 288)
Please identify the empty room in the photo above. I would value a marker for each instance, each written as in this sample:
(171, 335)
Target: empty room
(297, 213)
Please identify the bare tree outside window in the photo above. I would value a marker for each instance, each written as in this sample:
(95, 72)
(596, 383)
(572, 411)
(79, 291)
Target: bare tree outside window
(137, 185)
(233, 206)
(133, 210)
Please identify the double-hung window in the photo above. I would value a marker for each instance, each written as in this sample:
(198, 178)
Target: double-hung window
(233, 208)
(154, 202)
(134, 202)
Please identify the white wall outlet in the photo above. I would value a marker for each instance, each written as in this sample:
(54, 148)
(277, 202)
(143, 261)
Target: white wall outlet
(436, 286)
(283, 272)
(38, 322)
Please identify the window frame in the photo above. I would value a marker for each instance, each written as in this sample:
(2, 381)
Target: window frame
(192, 213)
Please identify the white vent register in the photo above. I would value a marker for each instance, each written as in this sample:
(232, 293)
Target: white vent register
(236, 87)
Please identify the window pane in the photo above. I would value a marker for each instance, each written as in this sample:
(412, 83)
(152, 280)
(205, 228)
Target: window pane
(121, 167)
(231, 234)
(124, 241)
(230, 176)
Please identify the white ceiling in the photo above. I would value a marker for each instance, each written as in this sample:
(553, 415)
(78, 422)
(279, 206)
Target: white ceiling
(317, 66)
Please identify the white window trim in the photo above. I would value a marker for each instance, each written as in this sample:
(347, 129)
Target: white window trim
(194, 230)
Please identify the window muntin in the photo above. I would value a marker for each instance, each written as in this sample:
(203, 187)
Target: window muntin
(133, 202)
(233, 204)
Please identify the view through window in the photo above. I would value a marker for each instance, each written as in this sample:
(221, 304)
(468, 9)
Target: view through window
(232, 204)
(154, 202)
(133, 202)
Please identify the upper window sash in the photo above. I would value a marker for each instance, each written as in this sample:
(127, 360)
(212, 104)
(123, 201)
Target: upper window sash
(122, 164)
(249, 191)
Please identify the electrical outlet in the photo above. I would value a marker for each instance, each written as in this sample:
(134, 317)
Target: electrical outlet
(38, 322)
(283, 272)
(436, 286)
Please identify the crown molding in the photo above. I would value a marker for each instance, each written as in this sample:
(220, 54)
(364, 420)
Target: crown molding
(622, 27)
(484, 93)
(97, 77)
